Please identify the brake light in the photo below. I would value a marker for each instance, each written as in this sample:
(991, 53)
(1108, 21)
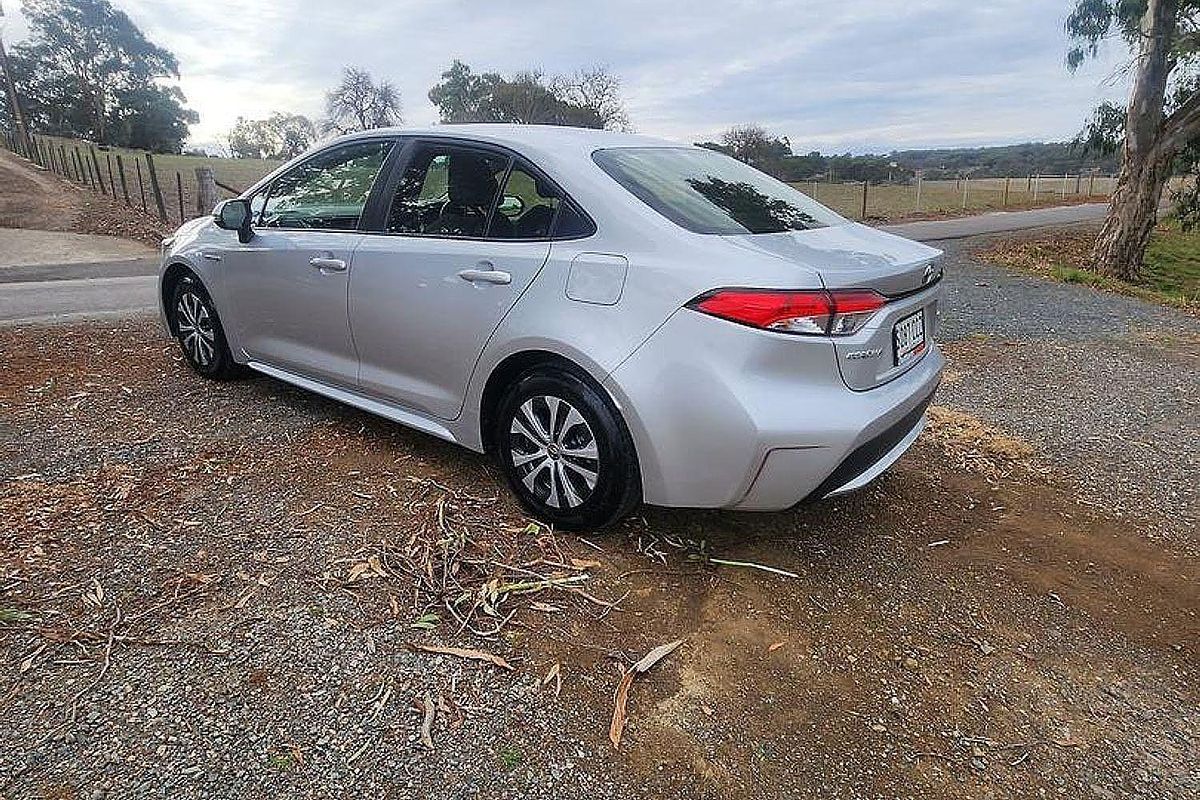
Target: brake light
(815, 313)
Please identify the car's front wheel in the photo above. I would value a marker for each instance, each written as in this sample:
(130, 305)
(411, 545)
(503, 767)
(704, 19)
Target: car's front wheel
(565, 451)
(198, 330)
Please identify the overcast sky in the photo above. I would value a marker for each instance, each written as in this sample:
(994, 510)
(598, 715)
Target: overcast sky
(832, 75)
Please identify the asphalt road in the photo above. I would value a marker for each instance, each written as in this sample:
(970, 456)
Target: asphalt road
(47, 293)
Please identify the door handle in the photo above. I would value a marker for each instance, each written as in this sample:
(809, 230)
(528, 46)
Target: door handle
(210, 255)
(328, 264)
(486, 276)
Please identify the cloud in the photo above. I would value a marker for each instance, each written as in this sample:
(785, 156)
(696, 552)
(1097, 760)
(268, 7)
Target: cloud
(834, 75)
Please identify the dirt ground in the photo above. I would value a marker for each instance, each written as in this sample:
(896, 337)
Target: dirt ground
(215, 589)
(41, 200)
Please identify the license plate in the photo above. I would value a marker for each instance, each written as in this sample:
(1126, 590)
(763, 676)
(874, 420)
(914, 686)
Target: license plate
(908, 338)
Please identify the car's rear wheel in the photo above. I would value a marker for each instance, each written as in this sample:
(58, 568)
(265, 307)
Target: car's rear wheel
(198, 330)
(565, 451)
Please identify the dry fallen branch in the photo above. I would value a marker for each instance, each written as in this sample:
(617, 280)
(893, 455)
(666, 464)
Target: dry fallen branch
(427, 722)
(617, 727)
(463, 652)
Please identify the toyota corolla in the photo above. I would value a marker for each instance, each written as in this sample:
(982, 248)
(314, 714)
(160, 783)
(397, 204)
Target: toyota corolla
(616, 318)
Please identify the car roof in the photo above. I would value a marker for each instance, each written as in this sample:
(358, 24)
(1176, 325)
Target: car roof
(555, 140)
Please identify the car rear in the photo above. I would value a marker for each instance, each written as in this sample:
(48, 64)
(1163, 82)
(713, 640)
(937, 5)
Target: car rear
(803, 365)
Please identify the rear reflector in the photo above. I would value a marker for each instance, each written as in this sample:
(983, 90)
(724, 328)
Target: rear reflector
(815, 313)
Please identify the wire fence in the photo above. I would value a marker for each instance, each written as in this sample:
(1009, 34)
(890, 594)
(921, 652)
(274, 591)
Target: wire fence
(169, 186)
(918, 197)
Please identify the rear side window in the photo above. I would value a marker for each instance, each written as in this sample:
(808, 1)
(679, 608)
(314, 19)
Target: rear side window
(528, 203)
(571, 223)
(450, 190)
(707, 192)
(326, 192)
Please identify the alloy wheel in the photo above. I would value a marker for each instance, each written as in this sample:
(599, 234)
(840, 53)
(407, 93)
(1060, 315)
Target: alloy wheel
(196, 331)
(554, 451)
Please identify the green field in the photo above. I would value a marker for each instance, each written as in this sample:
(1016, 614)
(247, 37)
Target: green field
(237, 173)
(893, 201)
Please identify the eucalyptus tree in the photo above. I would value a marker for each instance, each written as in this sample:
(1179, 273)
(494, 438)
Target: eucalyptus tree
(1160, 122)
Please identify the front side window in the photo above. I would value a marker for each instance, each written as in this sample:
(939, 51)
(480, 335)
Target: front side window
(327, 192)
(450, 191)
(707, 192)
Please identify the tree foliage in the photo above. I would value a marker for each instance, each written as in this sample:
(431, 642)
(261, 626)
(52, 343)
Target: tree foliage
(279, 137)
(88, 71)
(357, 103)
(588, 98)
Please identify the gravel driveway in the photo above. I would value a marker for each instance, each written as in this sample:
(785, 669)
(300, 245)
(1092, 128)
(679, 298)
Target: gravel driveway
(221, 590)
(1106, 388)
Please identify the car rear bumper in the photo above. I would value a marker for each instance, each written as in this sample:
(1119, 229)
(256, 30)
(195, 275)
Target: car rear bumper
(728, 417)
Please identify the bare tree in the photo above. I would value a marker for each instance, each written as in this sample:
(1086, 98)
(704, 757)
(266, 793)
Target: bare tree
(598, 91)
(755, 145)
(358, 104)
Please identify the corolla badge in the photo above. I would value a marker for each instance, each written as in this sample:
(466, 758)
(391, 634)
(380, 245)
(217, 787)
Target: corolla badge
(855, 355)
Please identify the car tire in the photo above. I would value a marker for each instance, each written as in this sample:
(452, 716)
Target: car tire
(565, 451)
(197, 328)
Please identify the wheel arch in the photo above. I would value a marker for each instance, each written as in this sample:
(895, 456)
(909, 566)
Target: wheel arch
(515, 364)
(171, 276)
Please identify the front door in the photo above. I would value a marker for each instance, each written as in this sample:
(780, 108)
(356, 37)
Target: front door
(456, 253)
(288, 284)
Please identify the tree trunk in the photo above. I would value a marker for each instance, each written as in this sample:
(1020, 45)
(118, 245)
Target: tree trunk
(1146, 161)
(1132, 215)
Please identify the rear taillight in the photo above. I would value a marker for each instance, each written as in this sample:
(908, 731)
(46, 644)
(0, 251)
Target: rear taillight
(840, 312)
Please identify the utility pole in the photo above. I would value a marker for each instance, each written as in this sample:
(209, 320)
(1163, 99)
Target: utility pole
(18, 117)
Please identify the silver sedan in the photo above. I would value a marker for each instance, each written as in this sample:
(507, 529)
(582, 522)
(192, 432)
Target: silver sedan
(618, 319)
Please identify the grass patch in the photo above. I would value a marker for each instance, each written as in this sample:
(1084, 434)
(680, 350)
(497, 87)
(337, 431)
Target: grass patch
(510, 757)
(1170, 273)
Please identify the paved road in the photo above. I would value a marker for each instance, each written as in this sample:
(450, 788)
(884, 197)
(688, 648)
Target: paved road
(998, 222)
(64, 292)
(72, 300)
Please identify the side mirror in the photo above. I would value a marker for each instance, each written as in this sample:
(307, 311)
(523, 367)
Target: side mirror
(234, 215)
(511, 205)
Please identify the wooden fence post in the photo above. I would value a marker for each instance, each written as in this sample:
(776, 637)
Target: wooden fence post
(966, 182)
(179, 191)
(156, 188)
(85, 176)
(96, 164)
(920, 178)
(137, 162)
(1004, 203)
(864, 202)
(121, 172)
(1092, 184)
(206, 190)
(112, 183)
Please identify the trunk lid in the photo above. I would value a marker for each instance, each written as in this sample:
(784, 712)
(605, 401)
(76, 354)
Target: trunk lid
(850, 256)
(857, 257)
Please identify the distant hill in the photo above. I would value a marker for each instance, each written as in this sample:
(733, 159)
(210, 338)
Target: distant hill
(1034, 158)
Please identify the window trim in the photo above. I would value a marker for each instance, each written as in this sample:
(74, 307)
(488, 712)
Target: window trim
(268, 183)
(412, 145)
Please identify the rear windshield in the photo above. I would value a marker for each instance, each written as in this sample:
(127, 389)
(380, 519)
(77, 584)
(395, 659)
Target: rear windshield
(707, 192)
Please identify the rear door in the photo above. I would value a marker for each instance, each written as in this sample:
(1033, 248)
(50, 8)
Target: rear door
(288, 284)
(466, 230)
